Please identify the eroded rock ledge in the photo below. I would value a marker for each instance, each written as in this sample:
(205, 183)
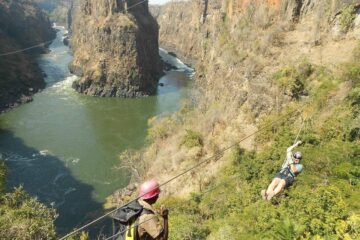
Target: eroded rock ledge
(115, 51)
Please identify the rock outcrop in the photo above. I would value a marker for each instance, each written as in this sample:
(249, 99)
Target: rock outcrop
(22, 25)
(115, 51)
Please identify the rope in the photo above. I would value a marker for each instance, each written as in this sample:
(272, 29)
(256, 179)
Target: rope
(41, 44)
(301, 127)
(219, 154)
(202, 193)
(25, 49)
(296, 138)
(134, 5)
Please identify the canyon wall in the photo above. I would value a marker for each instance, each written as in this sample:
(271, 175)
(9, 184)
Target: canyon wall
(115, 51)
(22, 25)
(244, 43)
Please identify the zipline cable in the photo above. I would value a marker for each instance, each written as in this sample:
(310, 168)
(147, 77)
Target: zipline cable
(301, 127)
(25, 49)
(134, 5)
(201, 194)
(219, 154)
(41, 44)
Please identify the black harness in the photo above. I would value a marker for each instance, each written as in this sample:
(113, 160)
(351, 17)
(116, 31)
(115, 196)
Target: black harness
(287, 172)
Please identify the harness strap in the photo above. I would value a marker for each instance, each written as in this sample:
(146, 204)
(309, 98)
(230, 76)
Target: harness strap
(287, 171)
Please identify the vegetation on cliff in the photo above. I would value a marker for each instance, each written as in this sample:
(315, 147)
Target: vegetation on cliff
(322, 204)
(273, 60)
(22, 216)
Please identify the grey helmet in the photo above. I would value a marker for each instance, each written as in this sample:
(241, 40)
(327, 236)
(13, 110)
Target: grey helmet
(297, 155)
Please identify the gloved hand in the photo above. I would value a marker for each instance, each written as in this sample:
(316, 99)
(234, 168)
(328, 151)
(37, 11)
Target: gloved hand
(298, 143)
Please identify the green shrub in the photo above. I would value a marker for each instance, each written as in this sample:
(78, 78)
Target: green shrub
(317, 206)
(347, 18)
(343, 170)
(320, 212)
(192, 139)
(354, 134)
(2, 176)
(286, 229)
(292, 81)
(352, 73)
(160, 128)
(186, 227)
(186, 218)
(238, 154)
(322, 87)
(354, 97)
(23, 217)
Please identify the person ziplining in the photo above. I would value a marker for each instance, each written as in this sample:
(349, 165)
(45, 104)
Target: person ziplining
(286, 176)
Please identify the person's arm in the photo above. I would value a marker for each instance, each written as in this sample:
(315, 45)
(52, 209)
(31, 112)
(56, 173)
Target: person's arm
(289, 153)
(164, 212)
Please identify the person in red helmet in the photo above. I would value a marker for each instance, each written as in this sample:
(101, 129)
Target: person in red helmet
(150, 227)
(286, 177)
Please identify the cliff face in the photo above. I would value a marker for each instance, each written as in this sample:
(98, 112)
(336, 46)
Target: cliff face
(25, 23)
(205, 17)
(244, 42)
(58, 10)
(115, 52)
(21, 25)
(255, 62)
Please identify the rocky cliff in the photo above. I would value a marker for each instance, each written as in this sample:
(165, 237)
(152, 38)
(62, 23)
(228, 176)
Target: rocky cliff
(281, 69)
(244, 42)
(253, 58)
(115, 51)
(58, 10)
(21, 25)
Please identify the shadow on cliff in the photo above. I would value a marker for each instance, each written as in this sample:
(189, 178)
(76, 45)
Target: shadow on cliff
(46, 177)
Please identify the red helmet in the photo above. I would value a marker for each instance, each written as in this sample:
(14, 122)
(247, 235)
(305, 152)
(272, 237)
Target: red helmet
(149, 189)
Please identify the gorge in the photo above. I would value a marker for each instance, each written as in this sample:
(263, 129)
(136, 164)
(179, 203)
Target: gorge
(268, 73)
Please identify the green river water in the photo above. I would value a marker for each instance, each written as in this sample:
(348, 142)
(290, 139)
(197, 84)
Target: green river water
(63, 146)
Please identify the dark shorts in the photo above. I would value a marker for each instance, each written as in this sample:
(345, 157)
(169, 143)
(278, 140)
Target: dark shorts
(289, 180)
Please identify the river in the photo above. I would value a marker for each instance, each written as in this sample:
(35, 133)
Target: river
(63, 146)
